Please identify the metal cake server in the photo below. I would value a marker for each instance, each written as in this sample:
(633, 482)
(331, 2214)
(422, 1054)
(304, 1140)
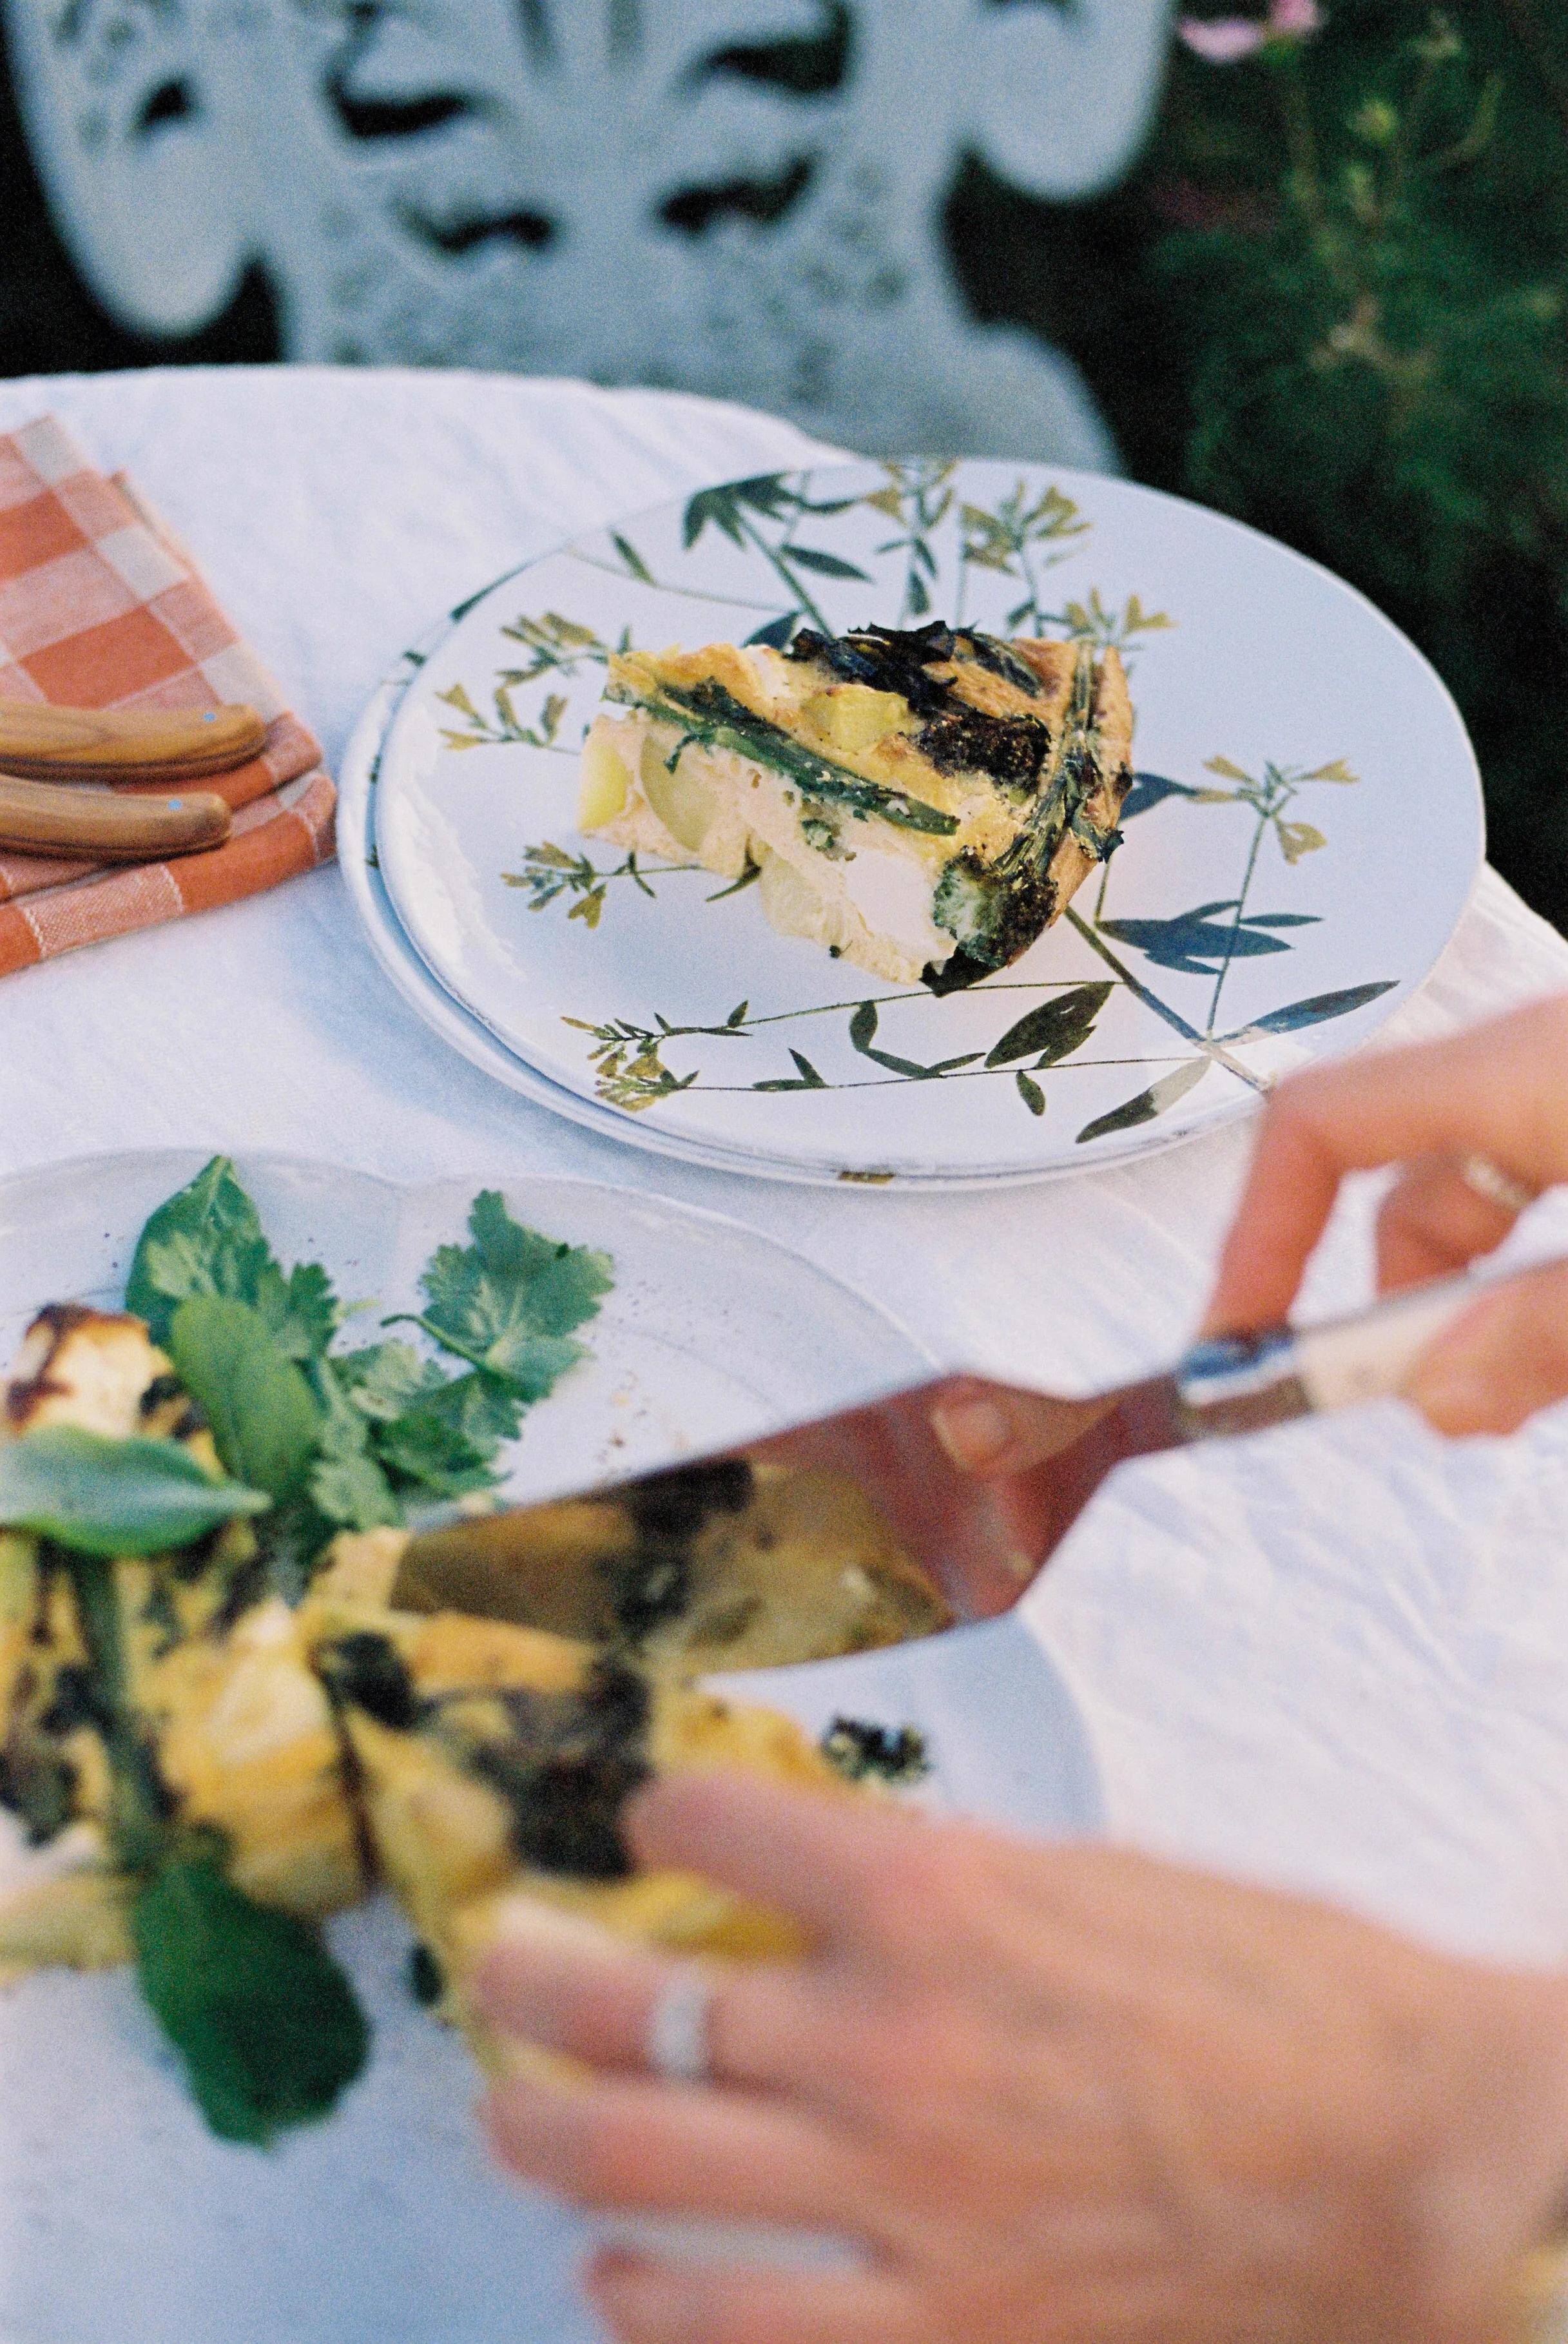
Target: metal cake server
(983, 1542)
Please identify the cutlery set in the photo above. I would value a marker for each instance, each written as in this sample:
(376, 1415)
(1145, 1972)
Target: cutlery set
(56, 766)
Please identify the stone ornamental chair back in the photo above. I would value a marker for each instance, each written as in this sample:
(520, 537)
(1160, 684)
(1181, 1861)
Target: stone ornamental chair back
(737, 197)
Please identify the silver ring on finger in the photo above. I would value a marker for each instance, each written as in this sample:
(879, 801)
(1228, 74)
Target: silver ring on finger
(1499, 1188)
(678, 2046)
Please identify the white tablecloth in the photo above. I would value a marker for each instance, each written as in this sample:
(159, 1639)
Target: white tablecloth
(1337, 1656)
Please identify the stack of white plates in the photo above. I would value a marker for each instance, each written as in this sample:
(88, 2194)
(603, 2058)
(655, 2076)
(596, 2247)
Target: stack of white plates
(1302, 839)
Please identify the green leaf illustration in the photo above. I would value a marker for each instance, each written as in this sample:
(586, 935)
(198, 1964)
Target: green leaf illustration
(776, 633)
(1196, 943)
(1148, 1103)
(1313, 1011)
(632, 558)
(1057, 1028)
(862, 1029)
(826, 565)
(1031, 1093)
(711, 505)
(807, 1079)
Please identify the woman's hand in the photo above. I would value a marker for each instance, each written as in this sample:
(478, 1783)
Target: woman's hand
(1065, 2093)
(1497, 1094)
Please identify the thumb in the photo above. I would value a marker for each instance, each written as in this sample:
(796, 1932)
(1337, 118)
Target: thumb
(995, 1430)
(1506, 1358)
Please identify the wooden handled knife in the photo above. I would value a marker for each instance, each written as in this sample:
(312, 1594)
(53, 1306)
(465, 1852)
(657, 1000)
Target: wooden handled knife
(100, 826)
(121, 744)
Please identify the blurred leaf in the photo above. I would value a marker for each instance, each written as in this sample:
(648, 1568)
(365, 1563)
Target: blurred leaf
(826, 565)
(1148, 1103)
(1313, 1011)
(632, 558)
(107, 1497)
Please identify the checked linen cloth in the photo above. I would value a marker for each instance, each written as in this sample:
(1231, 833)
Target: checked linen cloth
(101, 608)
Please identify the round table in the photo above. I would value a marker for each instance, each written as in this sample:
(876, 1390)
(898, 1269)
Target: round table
(1335, 1656)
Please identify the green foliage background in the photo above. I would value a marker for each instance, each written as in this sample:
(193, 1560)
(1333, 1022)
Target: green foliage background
(1332, 302)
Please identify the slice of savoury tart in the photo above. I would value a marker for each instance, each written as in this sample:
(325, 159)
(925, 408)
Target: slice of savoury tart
(924, 803)
(316, 1750)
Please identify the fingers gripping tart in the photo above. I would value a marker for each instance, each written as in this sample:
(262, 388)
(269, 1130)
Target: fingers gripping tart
(493, 1762)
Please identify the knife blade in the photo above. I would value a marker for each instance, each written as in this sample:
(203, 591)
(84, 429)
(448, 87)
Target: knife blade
(40, 743)
(983, 1542)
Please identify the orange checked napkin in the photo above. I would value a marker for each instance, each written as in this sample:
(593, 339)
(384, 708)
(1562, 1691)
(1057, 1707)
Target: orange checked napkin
(101, 608)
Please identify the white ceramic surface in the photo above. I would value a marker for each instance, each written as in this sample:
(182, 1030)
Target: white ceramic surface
(1304, 838)
(122, 2221)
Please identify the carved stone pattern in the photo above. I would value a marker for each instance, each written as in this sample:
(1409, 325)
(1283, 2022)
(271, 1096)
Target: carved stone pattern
(736, 197)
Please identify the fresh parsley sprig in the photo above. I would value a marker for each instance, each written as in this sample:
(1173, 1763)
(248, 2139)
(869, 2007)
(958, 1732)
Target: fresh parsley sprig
(356, 1439)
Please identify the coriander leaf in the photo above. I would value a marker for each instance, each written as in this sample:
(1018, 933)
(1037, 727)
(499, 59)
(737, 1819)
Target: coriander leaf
(508, 1302)
(347, 1485)
(108, 1498)
(208, 1240)
(386, 1379)
(420, 1447)
(436, 1431)
(265, 2021)
(263, 1417)
(484, 1409)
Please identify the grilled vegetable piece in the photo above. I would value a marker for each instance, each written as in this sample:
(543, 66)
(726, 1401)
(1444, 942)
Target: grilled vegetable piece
(494, 1761)
(100, 1371)
(924, 803)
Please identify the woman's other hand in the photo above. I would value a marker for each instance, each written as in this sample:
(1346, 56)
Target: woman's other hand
(1480, 1126)
(1056, 2095)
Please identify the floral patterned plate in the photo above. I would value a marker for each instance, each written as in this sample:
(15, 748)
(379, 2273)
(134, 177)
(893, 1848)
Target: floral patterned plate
(1302, 837)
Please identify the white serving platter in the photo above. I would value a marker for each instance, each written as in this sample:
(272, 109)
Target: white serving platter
(122, 2221)
(1302, 840)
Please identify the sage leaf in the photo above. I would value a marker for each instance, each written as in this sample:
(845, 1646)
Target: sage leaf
(1148, 1103)
(263, 1417)
(107, 1498)
(265, 2021)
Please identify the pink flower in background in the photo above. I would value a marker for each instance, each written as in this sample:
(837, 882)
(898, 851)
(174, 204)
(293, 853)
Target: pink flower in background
(1225, 40)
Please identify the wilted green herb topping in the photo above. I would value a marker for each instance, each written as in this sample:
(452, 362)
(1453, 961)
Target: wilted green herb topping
(861, 1750)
